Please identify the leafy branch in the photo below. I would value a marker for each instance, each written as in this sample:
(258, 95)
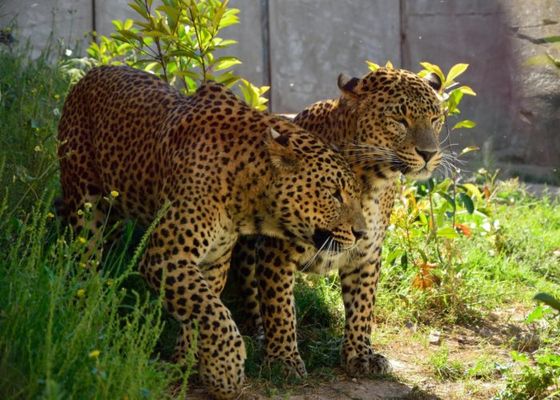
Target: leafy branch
(177, 41)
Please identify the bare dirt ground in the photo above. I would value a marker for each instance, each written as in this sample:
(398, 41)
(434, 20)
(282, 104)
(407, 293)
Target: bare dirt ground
(414, 376)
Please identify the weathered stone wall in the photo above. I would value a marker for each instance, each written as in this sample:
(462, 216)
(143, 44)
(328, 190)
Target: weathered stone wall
(299, 46)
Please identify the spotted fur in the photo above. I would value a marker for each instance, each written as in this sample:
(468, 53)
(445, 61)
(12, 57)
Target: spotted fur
(220, 170)
(386, 124)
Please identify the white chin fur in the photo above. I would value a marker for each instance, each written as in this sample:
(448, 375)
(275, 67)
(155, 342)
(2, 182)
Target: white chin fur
(420, 175)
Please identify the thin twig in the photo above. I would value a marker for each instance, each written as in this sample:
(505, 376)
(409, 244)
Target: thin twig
(194, 25)
(160, 55)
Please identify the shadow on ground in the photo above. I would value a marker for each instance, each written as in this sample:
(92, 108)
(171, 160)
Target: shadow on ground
(340, 389)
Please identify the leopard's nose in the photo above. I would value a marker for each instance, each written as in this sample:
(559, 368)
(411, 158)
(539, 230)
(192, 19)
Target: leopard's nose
(425, 154)
(358, 233)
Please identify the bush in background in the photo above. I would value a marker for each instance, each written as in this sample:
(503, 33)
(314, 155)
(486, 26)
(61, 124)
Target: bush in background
(178, 41)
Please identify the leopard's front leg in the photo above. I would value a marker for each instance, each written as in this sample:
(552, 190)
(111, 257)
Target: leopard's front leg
(171, 263)
(359, 287)
(275, 272)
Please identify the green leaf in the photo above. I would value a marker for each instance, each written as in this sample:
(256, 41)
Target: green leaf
(466, 90)
(467, 123)
(118, 24)
(129, 35)
(227, 79)
(453, 101)
(225, 63)
(393, 255)
(183, 52)
(170, 11)
(449, 199)
(190, 74)
(430, 184)
(447, 232)
(549, 359)
(127, 24)
(467, 202)
(220, 43)
(519, 357)
(140, 9)
(152, 66)
(433, 68)
(548, 300)
(404, 260)
(372, 66)
(537, 314)
(229, 18)
(263, 89)
(471, 189)
(468, 149)
(455, 71)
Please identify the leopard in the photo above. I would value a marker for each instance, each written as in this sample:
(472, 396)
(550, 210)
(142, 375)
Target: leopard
(387, 124)
(201, 170)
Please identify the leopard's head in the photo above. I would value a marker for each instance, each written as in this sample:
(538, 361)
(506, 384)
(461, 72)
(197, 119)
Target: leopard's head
(313, 194)
(399, 118)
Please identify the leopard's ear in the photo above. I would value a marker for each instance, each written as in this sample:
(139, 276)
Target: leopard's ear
(348, 86)
(280, 150)
(434, 81)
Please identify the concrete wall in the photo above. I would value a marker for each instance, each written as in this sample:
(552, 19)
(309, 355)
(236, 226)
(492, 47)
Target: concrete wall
(300, 46)
(313, 41)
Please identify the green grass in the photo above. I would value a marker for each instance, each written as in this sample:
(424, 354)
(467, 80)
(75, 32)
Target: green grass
(65, 331)
(32, 93)
(69, 332)
(443, 367)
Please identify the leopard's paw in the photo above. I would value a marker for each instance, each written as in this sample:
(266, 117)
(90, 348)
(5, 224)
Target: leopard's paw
(290, 366)
(371, 363)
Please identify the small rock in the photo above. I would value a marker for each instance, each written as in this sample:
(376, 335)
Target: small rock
(434, 338)
(354, 380)
(412, 326)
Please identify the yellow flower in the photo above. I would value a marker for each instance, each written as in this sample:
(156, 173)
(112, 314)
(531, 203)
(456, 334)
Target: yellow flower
(88, 205)
(81, 293)
(38, 149)
(114, 194)
(82, 240)
(83, 265)
(80, 212)
(50, 215)
(94, 354)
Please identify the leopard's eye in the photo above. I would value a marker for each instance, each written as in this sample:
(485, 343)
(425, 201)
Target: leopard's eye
(338, 196)
(403, 122)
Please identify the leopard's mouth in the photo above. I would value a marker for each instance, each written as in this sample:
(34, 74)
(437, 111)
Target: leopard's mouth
(424, 172)
(326, 242)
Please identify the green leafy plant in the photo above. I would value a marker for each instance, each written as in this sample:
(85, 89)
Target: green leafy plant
(535, 376)
(178, 41)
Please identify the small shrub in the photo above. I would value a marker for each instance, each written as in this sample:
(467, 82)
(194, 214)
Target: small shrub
(178, 41)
